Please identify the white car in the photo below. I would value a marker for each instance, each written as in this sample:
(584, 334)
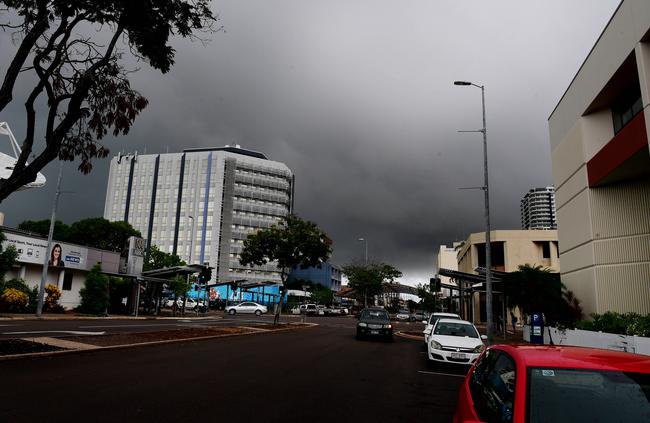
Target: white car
(430, 323)
(403, 315)
(455, 341)
(247, 307)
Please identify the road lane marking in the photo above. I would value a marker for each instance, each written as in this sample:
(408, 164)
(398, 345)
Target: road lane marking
(254, 329)
(62, 343)
(127, 326)
(70, 332)
(440, 374)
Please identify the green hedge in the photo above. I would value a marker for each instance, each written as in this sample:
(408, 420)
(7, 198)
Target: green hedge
(622, 324)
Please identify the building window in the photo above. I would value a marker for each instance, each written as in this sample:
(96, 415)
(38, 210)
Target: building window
(625, 107)
(67, 281)
(497, 253)
(546, 250)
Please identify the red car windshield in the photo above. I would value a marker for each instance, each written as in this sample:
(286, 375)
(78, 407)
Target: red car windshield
(577, 395)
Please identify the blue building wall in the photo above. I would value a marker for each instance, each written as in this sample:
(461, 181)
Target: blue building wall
(267, 295)
(328, 275)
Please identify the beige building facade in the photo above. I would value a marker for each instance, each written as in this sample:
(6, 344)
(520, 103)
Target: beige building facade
(446, 259)
(601, 168)
(510, 249)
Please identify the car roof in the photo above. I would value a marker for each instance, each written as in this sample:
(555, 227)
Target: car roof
(577, 358)
(446, 314)
(455, 321)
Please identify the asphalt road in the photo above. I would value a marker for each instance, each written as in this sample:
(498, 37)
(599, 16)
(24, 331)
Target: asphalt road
(319, 374)
(58, 328)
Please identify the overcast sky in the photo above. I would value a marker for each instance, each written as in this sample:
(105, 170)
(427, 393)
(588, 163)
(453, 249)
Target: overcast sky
(357, 98)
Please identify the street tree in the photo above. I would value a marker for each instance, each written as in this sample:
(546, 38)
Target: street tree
(94, 294)
(179, 285)
(428, 298)
(537, 289)
(74, 55)
(294, 242)
(367, 279)
(8, 257)
(101, 233)
(157, 259)
(95, 232)
(42, 227)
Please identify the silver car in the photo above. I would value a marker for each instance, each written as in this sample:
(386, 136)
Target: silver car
(247, 307)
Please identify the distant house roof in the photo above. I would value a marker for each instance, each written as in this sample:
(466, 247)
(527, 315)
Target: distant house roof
(346, 292)
(399, 288)
(230, 149)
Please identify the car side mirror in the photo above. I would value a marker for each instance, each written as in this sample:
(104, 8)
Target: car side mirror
(484, 337)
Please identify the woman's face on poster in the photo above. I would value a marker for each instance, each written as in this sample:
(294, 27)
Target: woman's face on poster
(57, 253)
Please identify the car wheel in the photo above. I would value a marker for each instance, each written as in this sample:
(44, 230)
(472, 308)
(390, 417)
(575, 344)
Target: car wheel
(389, 338)
(359, 336)
(258, 312)
(232, 311)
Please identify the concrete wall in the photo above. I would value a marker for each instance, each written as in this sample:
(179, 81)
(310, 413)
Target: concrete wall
(32, 273)
(586, 338)
(604, 231)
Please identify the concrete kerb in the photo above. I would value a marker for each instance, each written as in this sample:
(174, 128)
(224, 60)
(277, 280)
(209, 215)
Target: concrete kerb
(294, 326)
(409, 336)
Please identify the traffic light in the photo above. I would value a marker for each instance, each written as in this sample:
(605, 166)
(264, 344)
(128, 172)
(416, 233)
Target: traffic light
(434, 284)
(205, 275)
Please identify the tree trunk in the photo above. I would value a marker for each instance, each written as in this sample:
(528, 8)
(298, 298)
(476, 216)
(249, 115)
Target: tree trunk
(365, 300)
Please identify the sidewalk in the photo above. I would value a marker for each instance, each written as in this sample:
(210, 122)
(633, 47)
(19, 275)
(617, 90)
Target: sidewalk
(513, 338)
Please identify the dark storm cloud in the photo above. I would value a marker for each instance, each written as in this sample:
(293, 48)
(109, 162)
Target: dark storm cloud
(357, 99)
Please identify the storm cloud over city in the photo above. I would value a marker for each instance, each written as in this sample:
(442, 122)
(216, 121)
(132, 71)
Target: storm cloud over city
(357, 99)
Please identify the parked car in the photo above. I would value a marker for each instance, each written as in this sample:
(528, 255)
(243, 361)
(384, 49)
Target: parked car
(418, 316)
(559, 384)
(374, 322)
(432, 321)
(336, 311)
(455, 341)
(403, 315)
(310, 309)
(247, 307)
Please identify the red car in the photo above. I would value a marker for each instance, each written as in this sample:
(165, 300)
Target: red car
(555, 384)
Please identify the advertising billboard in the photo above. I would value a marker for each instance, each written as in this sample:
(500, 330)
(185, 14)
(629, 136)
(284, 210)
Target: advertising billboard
(34, 250)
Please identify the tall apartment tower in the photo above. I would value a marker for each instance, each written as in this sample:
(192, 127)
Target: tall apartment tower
(202, 203)
(538, 209)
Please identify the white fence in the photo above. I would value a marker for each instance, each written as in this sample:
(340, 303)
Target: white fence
(586, 338)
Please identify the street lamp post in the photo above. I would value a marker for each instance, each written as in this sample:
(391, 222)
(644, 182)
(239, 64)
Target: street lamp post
(41, 288)
(486, 190)
(365, 241)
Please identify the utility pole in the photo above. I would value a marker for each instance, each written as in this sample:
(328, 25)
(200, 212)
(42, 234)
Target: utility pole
(486, 190)
(41, 290)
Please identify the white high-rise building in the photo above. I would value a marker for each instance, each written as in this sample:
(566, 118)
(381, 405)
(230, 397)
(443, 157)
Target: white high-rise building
(201, 203)
(538, 209)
